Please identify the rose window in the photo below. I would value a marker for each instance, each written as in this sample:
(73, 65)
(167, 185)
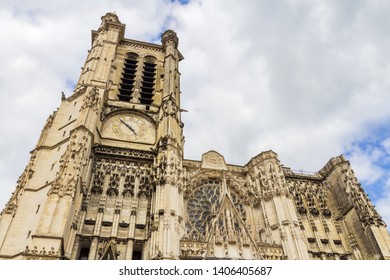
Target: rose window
(202, 205)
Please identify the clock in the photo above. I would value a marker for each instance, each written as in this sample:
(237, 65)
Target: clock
(129, 127)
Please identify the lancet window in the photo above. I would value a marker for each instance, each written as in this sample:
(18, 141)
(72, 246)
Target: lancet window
(127, 84)
(148, 80)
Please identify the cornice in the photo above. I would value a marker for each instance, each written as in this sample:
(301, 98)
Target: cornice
(141, 45)
(289, 174)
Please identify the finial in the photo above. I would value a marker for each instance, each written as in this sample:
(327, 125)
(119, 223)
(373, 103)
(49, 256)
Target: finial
(110, 17)
(169, 37)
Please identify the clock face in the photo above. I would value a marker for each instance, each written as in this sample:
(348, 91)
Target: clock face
(129, 127)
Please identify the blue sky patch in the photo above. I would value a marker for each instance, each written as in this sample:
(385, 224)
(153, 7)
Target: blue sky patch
(181, 2)
(374, 150)
(70, 85)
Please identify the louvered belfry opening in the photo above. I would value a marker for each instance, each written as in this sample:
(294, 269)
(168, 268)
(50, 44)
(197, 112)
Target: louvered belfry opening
(126, 87)
(148, 81)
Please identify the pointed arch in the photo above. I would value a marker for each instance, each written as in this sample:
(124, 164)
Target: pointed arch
(128, 77)
(217, 217)
(109, 251)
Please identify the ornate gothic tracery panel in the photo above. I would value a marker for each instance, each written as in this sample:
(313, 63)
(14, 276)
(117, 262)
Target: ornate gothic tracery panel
(202, 206)
(217, 223)
(117, 197)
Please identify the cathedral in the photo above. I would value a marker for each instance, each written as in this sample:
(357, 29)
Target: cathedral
(108, 179)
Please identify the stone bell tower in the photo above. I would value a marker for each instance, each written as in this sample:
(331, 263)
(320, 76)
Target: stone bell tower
(106, 170)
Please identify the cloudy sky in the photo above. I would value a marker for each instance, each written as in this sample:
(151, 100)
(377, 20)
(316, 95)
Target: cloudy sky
(309, 79)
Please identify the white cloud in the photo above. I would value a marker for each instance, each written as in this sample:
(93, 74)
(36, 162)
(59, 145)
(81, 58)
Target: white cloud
(383, 204)
(306, 79)
(364, 164)
(386, 145)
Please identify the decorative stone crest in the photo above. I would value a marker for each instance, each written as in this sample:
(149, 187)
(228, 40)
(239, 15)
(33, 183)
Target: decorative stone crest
(213, 160)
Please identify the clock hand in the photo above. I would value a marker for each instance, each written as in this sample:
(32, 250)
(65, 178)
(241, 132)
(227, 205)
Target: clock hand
(128, 126)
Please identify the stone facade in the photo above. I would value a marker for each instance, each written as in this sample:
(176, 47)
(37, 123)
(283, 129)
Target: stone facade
(107, 179)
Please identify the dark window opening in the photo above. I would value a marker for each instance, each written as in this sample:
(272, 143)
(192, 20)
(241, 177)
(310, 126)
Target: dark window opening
(126, 87)
(149, 80)
(150, 65)
(137, 252)
(128, 76)
(149, 74)
(84, 253)
(148, 83)
(337, 242)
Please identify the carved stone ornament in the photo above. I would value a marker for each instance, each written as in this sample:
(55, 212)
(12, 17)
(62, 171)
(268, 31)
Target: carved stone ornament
(271, 251)
(107, 110)
(27, 174)
(108, 250)
(170, 109)
(123, 152)
(192, 250)
(50, 120)
(42, 254)
(358, 198)
(91, 100)
(169, 37)
(213, 160)
(72, 163)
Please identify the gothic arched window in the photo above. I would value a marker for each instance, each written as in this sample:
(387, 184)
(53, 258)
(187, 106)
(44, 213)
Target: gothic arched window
(126, 87)
(148, 80)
